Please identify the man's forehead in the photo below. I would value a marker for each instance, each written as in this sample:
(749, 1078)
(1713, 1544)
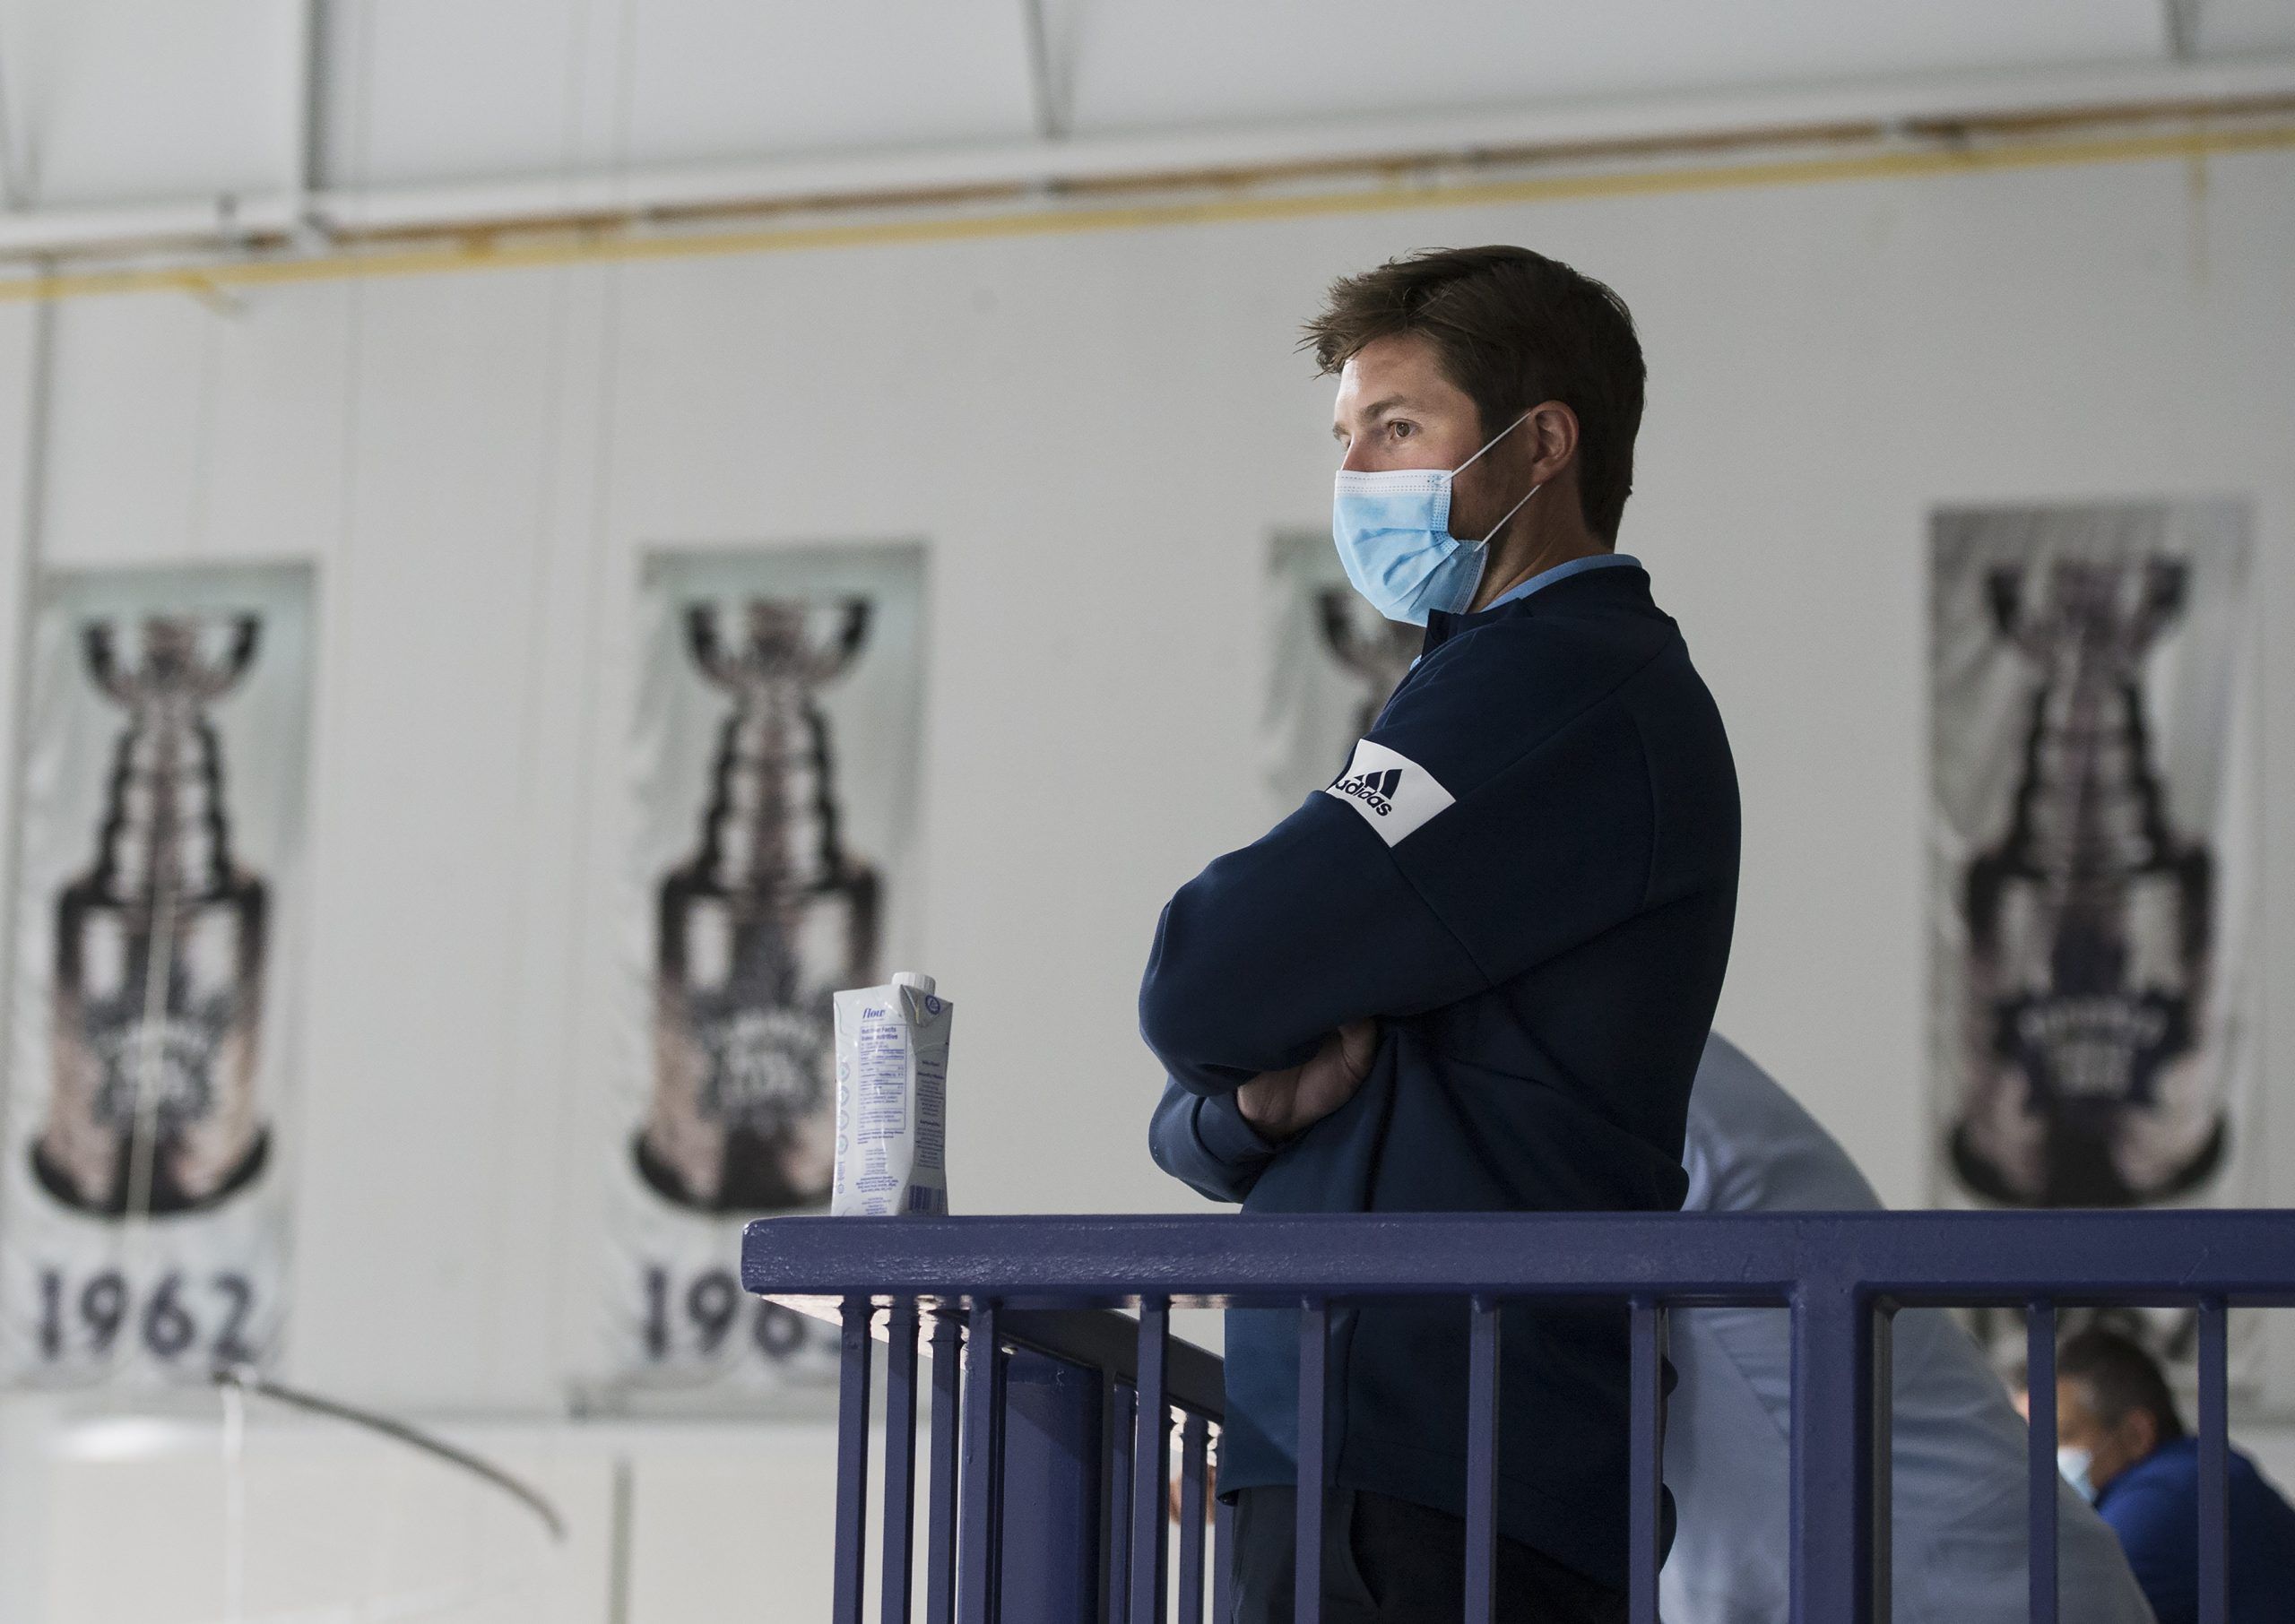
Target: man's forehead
(1402, 370)
(1392, 400)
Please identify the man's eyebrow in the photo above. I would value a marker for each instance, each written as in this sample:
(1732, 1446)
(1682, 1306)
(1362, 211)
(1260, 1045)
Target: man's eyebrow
(1385, 404)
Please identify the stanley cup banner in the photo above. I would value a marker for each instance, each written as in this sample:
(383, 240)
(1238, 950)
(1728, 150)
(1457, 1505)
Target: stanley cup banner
(2092, 855)
(1335, 661)
(776, 759)
(143, 1211)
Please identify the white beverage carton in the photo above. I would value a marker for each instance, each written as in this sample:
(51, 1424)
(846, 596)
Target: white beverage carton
(892, 1080)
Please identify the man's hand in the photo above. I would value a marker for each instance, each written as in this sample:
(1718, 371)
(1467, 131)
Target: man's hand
(1281, 1104)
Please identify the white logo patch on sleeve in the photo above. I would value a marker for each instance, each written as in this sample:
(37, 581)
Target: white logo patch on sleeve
(1395, 795)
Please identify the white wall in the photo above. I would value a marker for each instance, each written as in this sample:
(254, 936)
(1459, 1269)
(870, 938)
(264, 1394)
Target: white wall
(1096, 434)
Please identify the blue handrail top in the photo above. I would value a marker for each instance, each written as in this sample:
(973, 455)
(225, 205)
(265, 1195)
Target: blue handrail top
(2244, 1257)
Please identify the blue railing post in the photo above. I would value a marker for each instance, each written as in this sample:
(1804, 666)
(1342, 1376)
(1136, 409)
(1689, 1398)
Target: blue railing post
(1879, 1331)
(1119, 1485)
(2214, 1463)
(2039, 1465)
(1482, 1459)
(1223, 1555)
(899, 1567)
(941, 1514)
(1645, 1457)
(1834, 1455)
(1194, 1435)
(1307, 1551)
(853, 1460)
(1151, 1465)
(980, 1503)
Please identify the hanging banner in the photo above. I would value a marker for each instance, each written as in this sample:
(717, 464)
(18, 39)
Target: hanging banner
(143, 1206)
(775, 761)
(1335, 660)
(2092, 857)
(2093, 1019)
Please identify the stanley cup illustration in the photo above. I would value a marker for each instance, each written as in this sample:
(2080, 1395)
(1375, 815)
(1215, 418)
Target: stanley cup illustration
(159, 948)
(759, 925)
(2089, 923)
(1378, 651)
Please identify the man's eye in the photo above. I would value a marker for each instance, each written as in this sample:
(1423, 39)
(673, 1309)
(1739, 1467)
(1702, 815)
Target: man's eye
(1401, 431)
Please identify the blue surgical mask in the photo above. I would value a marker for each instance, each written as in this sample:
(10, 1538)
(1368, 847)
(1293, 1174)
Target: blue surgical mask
(1393, 531)
(2073, 1464)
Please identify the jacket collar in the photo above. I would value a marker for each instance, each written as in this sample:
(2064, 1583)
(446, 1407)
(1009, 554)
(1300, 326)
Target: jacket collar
(1625, 588)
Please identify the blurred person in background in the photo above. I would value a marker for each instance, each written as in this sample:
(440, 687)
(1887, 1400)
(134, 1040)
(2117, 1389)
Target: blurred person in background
(2121, 1443)
(1958, 1491)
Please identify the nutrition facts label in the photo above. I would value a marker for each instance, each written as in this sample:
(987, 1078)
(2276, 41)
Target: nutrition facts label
(932, 1091)
(880, 1077)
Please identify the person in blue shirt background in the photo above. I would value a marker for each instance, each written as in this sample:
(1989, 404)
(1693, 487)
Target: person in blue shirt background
(1475, 971)
(2121, 1440)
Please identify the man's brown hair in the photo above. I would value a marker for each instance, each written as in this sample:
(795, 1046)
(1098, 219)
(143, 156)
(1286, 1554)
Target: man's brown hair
(1512, 328)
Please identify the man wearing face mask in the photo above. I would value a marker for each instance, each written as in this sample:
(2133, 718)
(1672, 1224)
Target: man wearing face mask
(2122, 1445)
(1475, 972)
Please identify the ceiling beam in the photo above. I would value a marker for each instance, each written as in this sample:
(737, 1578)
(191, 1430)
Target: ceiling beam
(1224, 197)
(945, 174)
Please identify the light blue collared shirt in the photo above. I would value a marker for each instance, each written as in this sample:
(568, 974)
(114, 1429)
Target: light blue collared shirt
(1960, 1449)
(1562, 572)
(1547, 577)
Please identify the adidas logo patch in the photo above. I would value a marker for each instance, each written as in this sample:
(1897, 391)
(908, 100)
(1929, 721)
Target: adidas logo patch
(1375, 789)
(1394, 794)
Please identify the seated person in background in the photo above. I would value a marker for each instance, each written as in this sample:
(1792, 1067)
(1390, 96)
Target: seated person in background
(2121, 1440)
(1959, 1484)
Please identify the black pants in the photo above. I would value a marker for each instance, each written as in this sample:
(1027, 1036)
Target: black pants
(1389, 1561)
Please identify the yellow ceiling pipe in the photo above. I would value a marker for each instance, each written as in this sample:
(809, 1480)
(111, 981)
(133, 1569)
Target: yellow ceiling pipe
(530, 247)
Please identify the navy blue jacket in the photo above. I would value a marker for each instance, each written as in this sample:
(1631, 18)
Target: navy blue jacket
(1528, 874)
(2154, 1506)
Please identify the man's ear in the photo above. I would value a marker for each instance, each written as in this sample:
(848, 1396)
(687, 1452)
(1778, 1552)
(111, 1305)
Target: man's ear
(1553, 428)
(2141, 1432)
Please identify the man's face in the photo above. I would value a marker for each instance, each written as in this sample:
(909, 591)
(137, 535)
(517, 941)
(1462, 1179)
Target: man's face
(2112, 1449)
(1397, 410)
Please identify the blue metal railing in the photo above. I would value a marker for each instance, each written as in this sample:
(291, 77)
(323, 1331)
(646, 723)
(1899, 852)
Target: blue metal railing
(1023, 1295)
